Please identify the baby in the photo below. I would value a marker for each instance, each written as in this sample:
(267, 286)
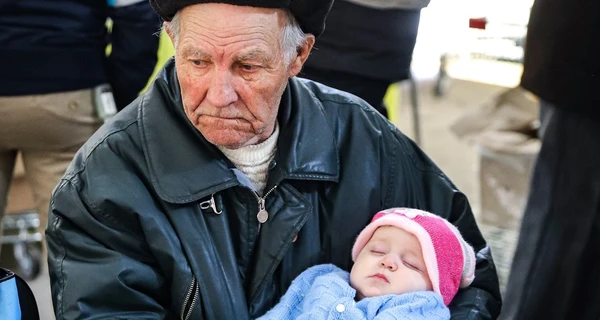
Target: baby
(407, 263)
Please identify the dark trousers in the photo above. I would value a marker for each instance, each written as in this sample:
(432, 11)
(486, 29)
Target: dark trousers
(556, 271)
(369, 89)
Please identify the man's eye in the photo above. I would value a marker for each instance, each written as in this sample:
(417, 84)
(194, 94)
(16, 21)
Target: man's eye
(197, 63)
(248, 67)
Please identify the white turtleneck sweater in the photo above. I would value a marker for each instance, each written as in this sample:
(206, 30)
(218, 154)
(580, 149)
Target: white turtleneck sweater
(254, 160)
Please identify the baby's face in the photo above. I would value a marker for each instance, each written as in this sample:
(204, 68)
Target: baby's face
(391, 263)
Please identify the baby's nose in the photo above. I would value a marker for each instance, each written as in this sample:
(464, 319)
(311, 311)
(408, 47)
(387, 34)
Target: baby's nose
(388, 263)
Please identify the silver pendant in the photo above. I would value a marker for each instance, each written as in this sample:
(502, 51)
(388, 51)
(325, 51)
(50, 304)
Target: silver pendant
(262, 216)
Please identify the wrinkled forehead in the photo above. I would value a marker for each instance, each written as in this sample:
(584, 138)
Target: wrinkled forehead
(226, 20)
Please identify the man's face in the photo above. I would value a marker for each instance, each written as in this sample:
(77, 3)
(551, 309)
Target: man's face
(391, 263)
(232, 72)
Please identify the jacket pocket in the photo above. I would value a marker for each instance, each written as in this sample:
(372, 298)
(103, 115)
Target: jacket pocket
(191, 298)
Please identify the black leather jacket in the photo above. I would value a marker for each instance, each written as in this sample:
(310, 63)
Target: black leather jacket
(132, 233)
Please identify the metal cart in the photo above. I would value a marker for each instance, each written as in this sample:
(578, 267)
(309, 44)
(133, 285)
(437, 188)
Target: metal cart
(21, 232)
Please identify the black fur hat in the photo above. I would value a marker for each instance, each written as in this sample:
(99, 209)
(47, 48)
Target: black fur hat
(310, 14)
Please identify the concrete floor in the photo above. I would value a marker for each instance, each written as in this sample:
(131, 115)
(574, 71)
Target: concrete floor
(457, 159)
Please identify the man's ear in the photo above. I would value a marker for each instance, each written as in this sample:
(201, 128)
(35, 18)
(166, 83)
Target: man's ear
(302, 54)
(166, 27)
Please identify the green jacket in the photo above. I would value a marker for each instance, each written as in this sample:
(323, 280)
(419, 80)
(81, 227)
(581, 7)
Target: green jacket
(132, 234)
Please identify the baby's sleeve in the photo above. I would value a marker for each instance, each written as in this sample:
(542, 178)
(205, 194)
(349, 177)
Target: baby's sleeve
(293, 303)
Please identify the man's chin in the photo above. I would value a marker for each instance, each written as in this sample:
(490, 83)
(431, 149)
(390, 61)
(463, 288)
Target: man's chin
(227, 138)
(227, 142)
(232, 145)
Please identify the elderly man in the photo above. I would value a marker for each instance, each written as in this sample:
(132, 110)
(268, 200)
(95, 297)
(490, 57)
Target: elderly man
(230, 176)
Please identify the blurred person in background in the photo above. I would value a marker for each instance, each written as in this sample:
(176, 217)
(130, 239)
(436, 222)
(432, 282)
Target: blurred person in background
(367, 46)
(554, 273)
(52, 58)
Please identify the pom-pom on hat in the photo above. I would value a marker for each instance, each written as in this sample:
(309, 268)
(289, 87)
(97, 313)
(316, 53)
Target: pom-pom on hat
(450, 261)
(310, 14)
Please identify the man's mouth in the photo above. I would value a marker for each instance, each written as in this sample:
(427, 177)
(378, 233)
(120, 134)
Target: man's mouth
(380, 276)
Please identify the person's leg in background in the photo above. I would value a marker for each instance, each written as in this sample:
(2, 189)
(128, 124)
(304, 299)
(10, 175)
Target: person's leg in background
(44, 170)
(7, 164)
(553, 274)
(48, 129)
(70, 119)
(369, 89)
(586, 293)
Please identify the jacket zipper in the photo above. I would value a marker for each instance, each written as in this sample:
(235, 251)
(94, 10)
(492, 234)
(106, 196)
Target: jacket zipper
(262, 214)
(185, 315)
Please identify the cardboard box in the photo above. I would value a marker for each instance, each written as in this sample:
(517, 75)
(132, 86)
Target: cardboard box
(504, 131)
(504, 184)
(514, 110)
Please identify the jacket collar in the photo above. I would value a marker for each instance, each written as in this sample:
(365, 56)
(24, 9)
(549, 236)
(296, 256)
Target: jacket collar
(184, 167)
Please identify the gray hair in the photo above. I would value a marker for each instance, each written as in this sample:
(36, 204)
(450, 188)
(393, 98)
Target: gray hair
(292, 36)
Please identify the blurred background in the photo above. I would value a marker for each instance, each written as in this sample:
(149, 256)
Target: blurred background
(462, 106)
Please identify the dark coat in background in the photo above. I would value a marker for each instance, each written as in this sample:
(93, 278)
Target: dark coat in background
(60, 45)
(366, 41)
(562, 55)
(553, 275)
(364, 49)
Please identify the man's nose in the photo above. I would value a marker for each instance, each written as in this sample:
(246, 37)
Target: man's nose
(389, 263)
(221, 92)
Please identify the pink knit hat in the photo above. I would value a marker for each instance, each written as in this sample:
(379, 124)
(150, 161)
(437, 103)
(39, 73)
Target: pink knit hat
(450, 261)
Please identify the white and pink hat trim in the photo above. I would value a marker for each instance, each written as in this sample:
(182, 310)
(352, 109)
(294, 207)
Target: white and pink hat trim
(449, 259)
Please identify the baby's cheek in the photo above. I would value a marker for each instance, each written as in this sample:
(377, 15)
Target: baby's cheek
(353, 279)
(416, 282)
(357, 283)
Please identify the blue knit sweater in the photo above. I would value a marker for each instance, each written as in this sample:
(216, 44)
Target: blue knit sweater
(324, 292)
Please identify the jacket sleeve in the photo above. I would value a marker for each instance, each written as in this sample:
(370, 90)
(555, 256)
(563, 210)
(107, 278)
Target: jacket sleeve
(416, 181)
(134, 52)
(89, 275)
